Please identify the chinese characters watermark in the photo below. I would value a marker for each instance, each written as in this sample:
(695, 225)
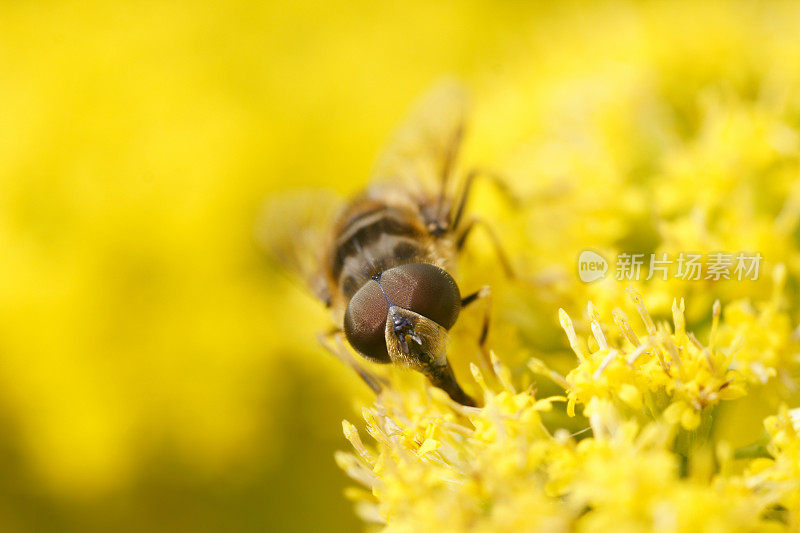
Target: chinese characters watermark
(716, 266)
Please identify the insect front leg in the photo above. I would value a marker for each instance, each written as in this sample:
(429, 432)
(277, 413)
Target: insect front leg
(462, 198)
(502, 257)
(547, 282)
(334, 342)
(484, 294)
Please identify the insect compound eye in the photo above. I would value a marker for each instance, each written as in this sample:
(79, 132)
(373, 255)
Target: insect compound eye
(424, 289)
(365, 322)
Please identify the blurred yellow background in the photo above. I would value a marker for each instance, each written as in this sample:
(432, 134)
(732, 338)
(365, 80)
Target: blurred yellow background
(154, 373)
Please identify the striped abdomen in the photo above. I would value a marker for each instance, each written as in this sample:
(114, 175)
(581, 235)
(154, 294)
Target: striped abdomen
(372, 237)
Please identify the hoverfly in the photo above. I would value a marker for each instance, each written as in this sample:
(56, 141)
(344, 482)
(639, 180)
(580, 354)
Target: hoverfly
(383, 263)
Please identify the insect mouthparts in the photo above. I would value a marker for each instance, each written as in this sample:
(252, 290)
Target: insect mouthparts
(404, 327)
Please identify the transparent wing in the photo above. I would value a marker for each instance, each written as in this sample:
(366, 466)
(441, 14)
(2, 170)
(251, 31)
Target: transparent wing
(294, 229)
(422, 151)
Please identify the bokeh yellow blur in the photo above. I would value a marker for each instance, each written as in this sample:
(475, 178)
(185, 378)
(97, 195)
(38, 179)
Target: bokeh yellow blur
(155, 374)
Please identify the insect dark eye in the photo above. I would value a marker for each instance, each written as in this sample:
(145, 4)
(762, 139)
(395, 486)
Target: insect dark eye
(424, 289)
(365, 322)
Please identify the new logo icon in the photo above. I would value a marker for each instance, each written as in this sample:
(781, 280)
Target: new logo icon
(591, 266)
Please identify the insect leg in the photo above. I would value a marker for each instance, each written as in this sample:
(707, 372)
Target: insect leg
(451, 154)
(448, 164)
(332, 341)
(485, 294)
(466, 231)
(463, 197)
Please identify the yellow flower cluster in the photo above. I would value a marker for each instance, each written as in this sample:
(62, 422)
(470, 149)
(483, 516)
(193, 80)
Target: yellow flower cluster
(439, 466)
(670, 372)
(778, 476)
